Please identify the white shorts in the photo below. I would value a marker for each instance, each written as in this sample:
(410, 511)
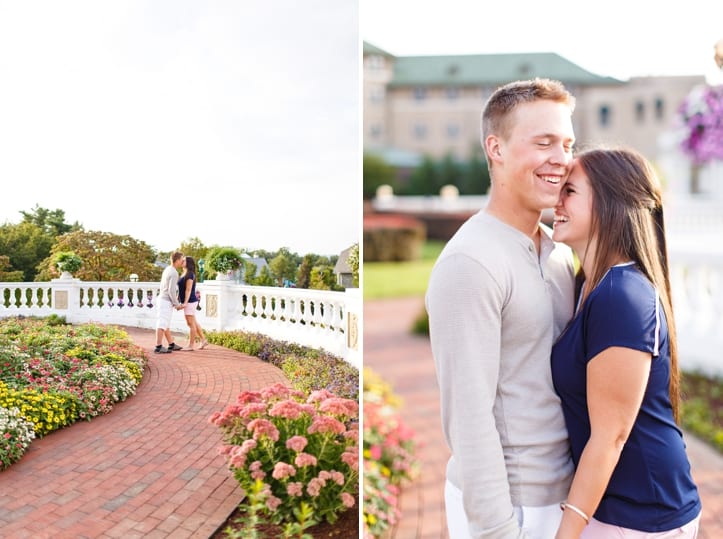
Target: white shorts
(165, 312)
(538, 522)
(600, 530)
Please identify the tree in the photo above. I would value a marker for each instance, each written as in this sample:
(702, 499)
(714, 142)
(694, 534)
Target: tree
(51, 222)
(323, 278)
(376, 172)
(194, 247)
(25, 245)
(425, 179)
(283, 266)
(303, 274)
(9, 276)
(475, 179)
(449, 172)
(249, 271)
(264, 278)
(106, 257)
(353, 261)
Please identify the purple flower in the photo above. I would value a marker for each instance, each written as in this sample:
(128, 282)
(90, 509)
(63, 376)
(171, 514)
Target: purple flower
(701, 118)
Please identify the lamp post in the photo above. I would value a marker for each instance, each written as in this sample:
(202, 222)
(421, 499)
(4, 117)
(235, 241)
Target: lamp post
(201, 266)
(134, 277)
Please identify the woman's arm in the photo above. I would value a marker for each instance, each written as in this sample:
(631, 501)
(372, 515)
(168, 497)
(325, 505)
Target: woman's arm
(616, 382)
(187, 292)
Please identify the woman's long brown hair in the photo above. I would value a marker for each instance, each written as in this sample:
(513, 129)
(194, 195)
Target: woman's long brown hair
(627, 216)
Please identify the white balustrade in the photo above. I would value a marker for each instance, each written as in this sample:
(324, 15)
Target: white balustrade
(697, 287)
(316, 318)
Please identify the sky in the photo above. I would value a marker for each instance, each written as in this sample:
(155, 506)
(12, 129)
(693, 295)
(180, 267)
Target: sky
(616, 38)
(234, 122)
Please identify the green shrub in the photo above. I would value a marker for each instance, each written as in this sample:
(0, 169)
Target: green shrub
(702, 407)
(307, 369)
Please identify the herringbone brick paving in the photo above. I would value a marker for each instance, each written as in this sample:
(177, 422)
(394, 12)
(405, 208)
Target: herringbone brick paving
(148, 469)
(405, 361)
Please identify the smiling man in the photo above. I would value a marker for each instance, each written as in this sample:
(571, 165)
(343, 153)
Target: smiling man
(499, 294)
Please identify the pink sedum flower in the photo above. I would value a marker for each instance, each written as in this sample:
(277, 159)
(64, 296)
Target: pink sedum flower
(297, 443)
(347, 499)
(304, 459)
(340, 407)
(282, 470)
(295, 489)
(325, 424)
(263, 427)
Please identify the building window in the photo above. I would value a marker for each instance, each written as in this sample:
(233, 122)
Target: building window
(452, 131)
(375, 131)
(640, 112)
(604, 114)
(659, 109)
(375, 62)
(420, 131)
(452, 93)
(376, 94)
(420, 93)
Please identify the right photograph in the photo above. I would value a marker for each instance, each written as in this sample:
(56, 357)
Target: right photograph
(542, 272)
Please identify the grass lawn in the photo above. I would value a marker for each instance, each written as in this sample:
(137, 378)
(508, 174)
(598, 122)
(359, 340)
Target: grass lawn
(399, 279)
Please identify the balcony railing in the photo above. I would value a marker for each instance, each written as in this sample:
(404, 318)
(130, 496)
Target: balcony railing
(316, 318)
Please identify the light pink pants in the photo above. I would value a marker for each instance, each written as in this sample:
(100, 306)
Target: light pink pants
(599, 530)
(537, 522)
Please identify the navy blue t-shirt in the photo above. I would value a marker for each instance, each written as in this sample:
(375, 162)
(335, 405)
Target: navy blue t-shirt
(651, 488)
(182, 287)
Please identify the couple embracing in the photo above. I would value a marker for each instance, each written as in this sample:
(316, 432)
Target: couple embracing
(559, 388)
(178, 293)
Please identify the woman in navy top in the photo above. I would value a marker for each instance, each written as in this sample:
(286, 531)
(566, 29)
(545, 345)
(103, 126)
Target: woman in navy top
(615, 365)
(188, 298)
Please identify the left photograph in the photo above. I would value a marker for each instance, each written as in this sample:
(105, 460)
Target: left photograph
(180, 318)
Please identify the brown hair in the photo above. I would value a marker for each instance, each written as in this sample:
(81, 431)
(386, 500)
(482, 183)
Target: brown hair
(505, 99)
(175, 257)
(190, 265)
(627, 217)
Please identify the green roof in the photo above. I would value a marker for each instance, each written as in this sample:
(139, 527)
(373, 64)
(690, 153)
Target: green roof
(490, 70)
(373, 49)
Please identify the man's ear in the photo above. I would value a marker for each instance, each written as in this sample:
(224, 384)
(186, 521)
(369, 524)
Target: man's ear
(493, 147)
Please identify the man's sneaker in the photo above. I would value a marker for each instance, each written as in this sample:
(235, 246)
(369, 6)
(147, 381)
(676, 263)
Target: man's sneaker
(161, 350)
(174, 346)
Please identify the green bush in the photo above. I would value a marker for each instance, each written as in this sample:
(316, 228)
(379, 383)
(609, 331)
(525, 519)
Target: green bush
(702, 407)
(306, 368)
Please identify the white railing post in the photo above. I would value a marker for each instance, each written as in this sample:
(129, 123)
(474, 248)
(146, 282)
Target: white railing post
(217, 303)
(353, 327)
(66, 298)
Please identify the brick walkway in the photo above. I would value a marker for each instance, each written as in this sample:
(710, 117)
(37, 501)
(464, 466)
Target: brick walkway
(405, 361)
(149, 469)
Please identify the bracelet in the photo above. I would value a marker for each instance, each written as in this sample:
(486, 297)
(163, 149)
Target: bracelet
(580, 512)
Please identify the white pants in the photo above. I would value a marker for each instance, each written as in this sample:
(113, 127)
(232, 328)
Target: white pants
(537, 522)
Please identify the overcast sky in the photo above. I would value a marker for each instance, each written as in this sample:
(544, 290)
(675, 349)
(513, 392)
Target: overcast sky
(236, 122)
(618, 38)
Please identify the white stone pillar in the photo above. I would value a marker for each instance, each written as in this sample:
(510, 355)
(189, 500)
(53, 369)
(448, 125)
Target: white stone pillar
(66, 298)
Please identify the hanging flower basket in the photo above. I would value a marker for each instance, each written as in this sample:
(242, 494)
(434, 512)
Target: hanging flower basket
(700, 116)
(224, 261)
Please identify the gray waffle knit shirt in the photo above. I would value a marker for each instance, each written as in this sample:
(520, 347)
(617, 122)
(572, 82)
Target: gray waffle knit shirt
(494, 311)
